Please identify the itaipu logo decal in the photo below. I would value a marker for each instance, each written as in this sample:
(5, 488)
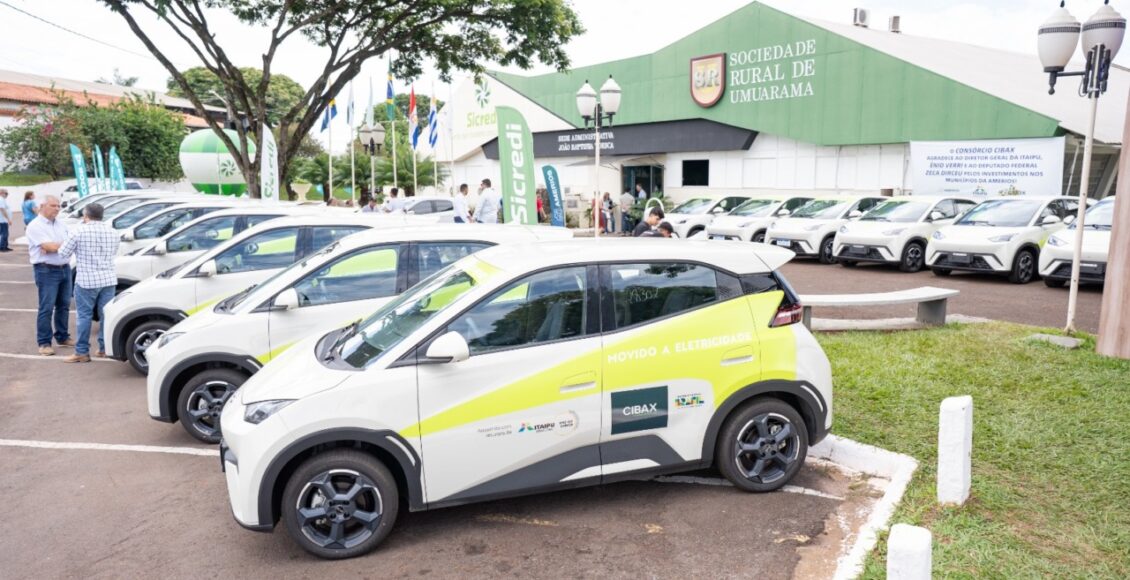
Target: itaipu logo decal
(708, 79)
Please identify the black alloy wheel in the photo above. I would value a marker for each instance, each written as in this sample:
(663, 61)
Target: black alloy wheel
(826, 256)
(759, 237)
(340, 504)
(1023, 267)
(762, 446)
(144, 336)
(913, 257)
(202, 400)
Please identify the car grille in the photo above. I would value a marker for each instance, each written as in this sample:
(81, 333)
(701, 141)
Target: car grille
(860, 253)
(946, 260)
(1094, 271)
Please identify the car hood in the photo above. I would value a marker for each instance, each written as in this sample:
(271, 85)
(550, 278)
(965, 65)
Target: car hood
(201, 319)
(1093, 240)
(875, 227)
(294, 374)
(800, 224)
(977, 233)
(734, 221)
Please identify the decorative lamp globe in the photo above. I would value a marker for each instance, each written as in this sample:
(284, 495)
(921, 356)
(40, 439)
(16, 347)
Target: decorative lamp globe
(1105, 27)
(1057, 39)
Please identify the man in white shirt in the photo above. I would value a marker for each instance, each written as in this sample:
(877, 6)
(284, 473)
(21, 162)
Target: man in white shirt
(45, 235)
(641, 193)
(489, 202)
(5, 219)
(94, 245)
(460, 205)
(395, 203)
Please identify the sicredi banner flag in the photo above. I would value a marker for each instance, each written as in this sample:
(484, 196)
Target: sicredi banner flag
(989, 167)
(80, 171)
(516, 154)
(556, 202)
(117, 172)
(99, 171)
(269, 167)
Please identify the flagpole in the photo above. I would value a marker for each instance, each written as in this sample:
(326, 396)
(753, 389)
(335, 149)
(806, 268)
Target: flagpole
(330, 127)
(352, 167)
(392, 124)
(451, 136)
(414, 185)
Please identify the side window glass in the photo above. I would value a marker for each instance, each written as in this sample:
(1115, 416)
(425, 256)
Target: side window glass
(434, 257)
(422, 207)
(204, 235)
(360, 276)
(162, 224)
(441, 205)
(1070, 207)
(643, 292)
(964, 206)
(1052, 209)
(326, 235)
(263, 251)
(254, 220)
(792, 204)
(540, 308)
(946, 208)
(865, 205)
(731, 202)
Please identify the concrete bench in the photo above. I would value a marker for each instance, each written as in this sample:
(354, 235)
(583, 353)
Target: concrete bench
(931, 302)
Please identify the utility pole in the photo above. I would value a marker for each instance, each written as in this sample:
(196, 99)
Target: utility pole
(1114, 321)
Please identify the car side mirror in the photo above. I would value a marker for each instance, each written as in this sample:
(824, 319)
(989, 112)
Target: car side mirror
(936, 215)
(207, 269)
(449, 348)
(854, 214)
(127, 236)
(286, 300)
(718, 210)
(1069, 219)
(1050, 221)
(161, 248)
(783, 212)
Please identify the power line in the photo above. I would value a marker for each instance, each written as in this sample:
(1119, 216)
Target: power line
(76, 33)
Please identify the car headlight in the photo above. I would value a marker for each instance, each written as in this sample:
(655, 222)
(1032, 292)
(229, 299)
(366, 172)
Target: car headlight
(1054, 241)
(167, 338)
(256, 413)
(812, 228)
(938, 235)
(120, 296)
(1003, 238)
(843, 229)
(894, 232)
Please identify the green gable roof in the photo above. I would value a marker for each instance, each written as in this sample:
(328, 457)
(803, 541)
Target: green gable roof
(845, 94)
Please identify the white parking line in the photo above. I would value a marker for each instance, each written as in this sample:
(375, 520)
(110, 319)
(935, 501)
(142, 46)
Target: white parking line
(723, 483)
(21, 282)
(108, 447)
(15, 265)
(29, 310)
(56, 357)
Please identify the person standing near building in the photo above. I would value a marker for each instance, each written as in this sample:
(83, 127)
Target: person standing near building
(29, 207)
(626, 203)
(370, 207)
(489, 201)
(45, 235)
(5, 220)
(641, 193)
(460, 205)
(654, 216)
(394, 203)
(94, 246)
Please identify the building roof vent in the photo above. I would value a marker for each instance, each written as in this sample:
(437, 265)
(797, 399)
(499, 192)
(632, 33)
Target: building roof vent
(894, 27)
(860, 18)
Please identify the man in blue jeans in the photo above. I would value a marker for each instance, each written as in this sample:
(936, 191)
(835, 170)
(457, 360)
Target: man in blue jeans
(5, 219)
(45, 235)
(94, 245)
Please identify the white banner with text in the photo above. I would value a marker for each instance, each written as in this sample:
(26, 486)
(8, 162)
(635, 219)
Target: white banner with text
(989, 167)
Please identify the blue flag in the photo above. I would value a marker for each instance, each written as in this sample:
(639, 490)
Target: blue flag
(331, 112)
(390, 100)
(117, 172)
(553, 187)
(79, 164)
(433, 123)
(99, 172)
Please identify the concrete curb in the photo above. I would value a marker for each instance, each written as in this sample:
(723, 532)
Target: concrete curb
(864, 458)
(881, 324)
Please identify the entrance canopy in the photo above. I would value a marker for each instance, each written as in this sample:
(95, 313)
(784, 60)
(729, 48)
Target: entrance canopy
(651, 138)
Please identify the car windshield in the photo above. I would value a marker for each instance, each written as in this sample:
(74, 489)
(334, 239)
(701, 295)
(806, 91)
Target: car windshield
(121, 206)
(1099, 217)
(822, 209)
(897, 211)
(756, 208)
(137, 214)
(697, 205)
(1001, 213)
(401, 317)
(232, 302)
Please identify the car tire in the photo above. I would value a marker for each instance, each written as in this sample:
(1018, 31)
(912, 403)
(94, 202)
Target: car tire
(753, 453)
(942, 272)
(1055, 282)
(1023, 267)
(141, 339)
(340, 533)
(913, 257)
(202, 399)
(825, 253)
(694, 231)
(848, 263)
(758, 237)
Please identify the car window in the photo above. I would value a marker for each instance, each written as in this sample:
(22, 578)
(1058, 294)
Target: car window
(364, 275)
(539, 308)
(254, 220)
(1070, 207)
(796, 202)
(963, 206)
(865, 205)
(137, 214)
(163, 224)
(204, 235)
(326, 235)
(730, 203)
(1050, 210)
(442, 205)
(431, 257)
(263, 251)
(644, 292)
(947, 208)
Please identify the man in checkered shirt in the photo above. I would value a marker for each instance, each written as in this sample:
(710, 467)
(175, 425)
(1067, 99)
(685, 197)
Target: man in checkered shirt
(94, 245)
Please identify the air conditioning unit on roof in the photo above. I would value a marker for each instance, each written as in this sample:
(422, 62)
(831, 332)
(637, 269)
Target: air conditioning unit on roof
(860, 18)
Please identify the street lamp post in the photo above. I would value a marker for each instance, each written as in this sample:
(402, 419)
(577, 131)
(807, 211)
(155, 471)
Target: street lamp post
(597, 113)
(1101, 38)
(371, 137)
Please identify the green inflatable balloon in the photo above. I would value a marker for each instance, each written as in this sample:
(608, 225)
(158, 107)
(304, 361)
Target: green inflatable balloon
(208, 164)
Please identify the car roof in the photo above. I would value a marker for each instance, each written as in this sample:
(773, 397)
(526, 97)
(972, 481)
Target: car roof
(498, 233)
(735, 257)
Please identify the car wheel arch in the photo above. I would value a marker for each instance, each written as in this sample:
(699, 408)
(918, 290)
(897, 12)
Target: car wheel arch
(398, 457)
(123, 330)
(176, 379)
(801, 395)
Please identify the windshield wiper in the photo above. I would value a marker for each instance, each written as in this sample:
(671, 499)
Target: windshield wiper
(345, 335)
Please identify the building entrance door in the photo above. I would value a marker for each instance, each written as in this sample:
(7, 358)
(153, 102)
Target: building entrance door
(649, 176)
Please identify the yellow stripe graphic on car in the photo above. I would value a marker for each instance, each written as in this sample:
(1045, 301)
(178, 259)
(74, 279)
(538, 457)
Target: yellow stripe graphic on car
(265, 358)
(203, 305)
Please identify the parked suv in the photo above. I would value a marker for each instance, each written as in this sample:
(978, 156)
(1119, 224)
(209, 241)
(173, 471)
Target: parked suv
(525, 368)
(692, 216)
(897, 231)
(811, 229)
(1057, 254)
(749, 221)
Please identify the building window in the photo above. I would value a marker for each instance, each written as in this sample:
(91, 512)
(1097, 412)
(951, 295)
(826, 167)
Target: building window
(696, 172)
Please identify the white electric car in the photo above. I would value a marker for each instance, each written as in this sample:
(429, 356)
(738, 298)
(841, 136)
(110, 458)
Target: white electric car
(1056, 256)
(810, 231)
(146, 231)
(525, 368)
(897, 231)
(138, 316)
(1000, 236)
(442, 208)
(201, 361)
(692, 216)
(749, 221)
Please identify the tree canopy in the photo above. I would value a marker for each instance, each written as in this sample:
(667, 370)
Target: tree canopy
(283, 92)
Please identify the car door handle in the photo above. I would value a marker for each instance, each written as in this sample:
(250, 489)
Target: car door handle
(581, 382)
(737, 356)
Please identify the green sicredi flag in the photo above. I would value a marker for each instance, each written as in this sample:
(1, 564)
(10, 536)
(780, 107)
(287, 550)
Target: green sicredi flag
(516, 153)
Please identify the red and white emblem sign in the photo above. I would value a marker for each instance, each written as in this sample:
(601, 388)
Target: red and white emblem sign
(708, 79)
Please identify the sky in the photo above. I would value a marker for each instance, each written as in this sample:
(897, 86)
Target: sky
(615, 29)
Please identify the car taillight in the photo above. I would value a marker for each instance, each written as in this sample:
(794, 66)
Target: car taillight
(787, 314)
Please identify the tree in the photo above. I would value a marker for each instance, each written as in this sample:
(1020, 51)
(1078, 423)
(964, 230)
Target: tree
(119, 80)
(283, 92)
(454, 34)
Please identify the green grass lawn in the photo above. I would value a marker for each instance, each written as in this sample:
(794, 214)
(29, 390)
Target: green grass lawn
(1051, 462)
(20, 179)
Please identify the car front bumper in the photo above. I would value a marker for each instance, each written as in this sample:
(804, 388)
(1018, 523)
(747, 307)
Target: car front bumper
(982, 257)
(859, 248)
(801, 242)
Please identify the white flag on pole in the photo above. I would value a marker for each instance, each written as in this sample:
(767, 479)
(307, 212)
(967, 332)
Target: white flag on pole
(269, 167)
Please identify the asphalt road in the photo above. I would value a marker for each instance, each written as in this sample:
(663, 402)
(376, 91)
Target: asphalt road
(95, 512)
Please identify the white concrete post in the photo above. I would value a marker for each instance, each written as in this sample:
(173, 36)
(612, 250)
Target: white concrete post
(955, 449)
(909, 554)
